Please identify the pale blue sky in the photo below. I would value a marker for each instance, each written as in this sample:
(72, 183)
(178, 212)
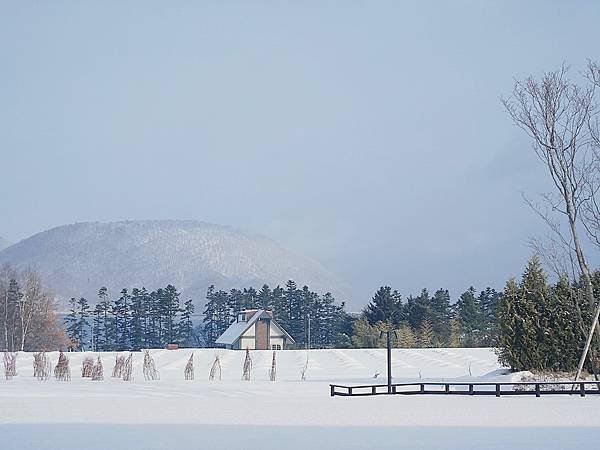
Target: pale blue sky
(368, 135)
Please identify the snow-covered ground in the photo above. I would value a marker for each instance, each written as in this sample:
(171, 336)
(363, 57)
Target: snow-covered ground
(172, 413)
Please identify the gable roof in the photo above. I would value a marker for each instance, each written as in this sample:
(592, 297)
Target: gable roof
(237, 329)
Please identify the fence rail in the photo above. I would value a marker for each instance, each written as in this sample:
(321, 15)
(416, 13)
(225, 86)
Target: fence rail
(582, 388)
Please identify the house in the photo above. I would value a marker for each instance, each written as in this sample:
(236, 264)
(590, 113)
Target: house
(255, 329)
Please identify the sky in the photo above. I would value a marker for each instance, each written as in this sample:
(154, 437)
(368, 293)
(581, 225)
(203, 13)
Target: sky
(367, 135)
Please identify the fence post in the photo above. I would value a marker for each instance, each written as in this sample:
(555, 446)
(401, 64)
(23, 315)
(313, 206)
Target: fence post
(332, 389)
(447, 389)
(422, 388)
(373, 390)
(497, 390)
(537, 389)
(470, 389)
(582, 389)
(349, 390)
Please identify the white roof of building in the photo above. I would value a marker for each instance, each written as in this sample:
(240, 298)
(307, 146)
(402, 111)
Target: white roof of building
(237, 329)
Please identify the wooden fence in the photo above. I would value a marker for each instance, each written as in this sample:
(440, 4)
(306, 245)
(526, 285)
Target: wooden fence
(538, 389)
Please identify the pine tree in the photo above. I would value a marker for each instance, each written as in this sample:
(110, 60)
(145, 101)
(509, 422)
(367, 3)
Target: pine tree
(122, 312)
(170, 310)
(440, 314)
(137, 320)
(512, 328)
(386, 306)
(186, 328)
(489, 301)
(77, 322)
(264, 297)
(470, 317)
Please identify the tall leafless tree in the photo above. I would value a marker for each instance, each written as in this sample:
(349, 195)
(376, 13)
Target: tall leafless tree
(556, 114)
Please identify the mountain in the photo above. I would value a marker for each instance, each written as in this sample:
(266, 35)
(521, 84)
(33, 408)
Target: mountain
(3, 243)
(76, 260)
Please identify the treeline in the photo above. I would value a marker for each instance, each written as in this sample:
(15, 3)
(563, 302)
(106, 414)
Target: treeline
(136, 319)
(28, 318)
(313, 320)
(543, 327)
(429, 320)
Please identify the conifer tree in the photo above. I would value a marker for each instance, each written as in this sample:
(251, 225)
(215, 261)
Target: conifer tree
(122, 321)
(386, 306)
(440, 314)
(470, 317)
(77, 321)
(406, 336)
(186, 328)
(426, 334)
(137, 323)
(454, 340)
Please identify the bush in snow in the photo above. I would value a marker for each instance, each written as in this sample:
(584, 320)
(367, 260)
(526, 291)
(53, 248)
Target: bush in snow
(215, 369)
(247, 366)
(10, 365)
(189, 368)
(62, 372)
(150, 372)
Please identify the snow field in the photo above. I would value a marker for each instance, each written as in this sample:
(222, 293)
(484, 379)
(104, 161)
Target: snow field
(288, 412)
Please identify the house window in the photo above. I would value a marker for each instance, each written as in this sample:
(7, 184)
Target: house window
(241, 317)
(276, 347)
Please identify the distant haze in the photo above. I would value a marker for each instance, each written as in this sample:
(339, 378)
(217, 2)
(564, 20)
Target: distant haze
(78, 259)
(366, 135)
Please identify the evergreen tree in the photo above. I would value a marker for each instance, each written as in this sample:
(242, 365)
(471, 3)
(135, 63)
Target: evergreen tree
(170, 309)
(489, 301)
(263, 299)
(122, 321)
(386, 306)
(137, 321)
(470, 317)
(186, 328)
(440, 315)
(77, 322)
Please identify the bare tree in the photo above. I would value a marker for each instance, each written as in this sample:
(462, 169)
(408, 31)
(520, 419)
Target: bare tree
(304, 369)
(150, 372)
(87, 367)
(10, 365)
(555, 113)
(62, 372)
(189, 368)
(247, 369)
(41, 366)
(98, 371)
(117, 371)
(215, 370)
(127, 370)
(273, 371)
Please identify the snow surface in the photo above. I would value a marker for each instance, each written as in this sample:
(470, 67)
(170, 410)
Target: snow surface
(173, 413)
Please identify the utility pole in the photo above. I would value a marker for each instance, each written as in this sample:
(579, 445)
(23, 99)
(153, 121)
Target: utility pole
(389, 361)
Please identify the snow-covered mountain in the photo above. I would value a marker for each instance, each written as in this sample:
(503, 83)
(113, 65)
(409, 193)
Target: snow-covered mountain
(3, 243)
(76, 260)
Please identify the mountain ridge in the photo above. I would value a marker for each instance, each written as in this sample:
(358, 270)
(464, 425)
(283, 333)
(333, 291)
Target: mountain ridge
(77, 259)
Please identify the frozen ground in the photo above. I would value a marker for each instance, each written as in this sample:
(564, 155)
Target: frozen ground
(288, 413)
